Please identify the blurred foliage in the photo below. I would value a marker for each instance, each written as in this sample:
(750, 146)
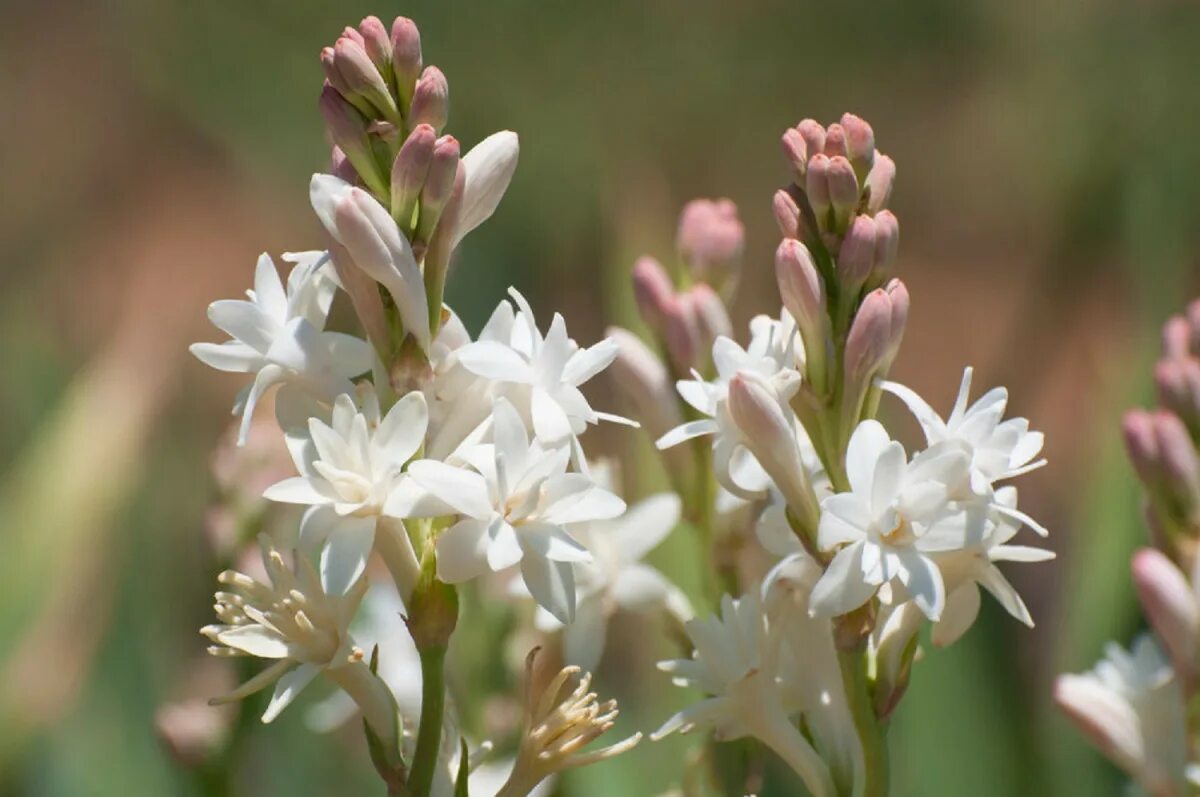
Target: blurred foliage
(1048, 158)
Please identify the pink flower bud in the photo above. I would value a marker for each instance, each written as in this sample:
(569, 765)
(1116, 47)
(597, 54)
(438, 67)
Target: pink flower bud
(681, 332)
(795, 149)
(887, 244)
(710, 239)
(1105, 718)
(768, 430)
(332, 75)
(1180, 466)
(787, 214)
(712, 319)
(816, 186)
(1177, 337)
(439, 184)
(361, 77)
(1178, 383)
(856, 258)
(800, 285)
(442, 238)
(406, 57)
(860, 145)
(835, 141)
(378, 44)
(843, 191)
(1141, 444)
(409, 172)
(1171, 607)
(1193, 318)
(653, 291)
(879, 183)
(898, 293)
(347, 129)
(873, 341)
(341, 167)
(431, 100)
(814, 136)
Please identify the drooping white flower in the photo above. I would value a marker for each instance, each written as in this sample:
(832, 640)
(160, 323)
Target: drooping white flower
(304, 629)
(736, 663)
(998, 449)
(965, 571)
(514, 502)
(616, 578)
(539, 375)
(346, 476)
(1131, 708)
(772, 356)
(277, 336)
(894, 517)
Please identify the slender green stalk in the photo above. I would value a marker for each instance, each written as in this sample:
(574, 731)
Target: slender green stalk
(429, 734)
(872, 733)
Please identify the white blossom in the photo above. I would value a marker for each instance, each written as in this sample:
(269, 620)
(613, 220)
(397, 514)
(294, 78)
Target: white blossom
(278, 336)
(346, 477)
(514, 501)
(489, 169)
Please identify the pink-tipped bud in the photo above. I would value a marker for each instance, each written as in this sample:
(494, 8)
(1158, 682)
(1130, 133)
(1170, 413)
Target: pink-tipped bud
(843, 191)
(879, 183)
(353, 35)
(803, 294)
(897, 291)
(341, 167)
(332, 75)
(406, 57)
(1141, 444)
(435, 194)
(681, 333)
(361, 77)
(787, 214)
(816, 187)
(409, 172)
(856, 258)
(712, 319)
(1165, 460)
(814, 136)
(347, 128)
(1178, 383)
(378, 44)
(710, 239)
(431, 100)
(1180, 465)
(1171, 606)
(758, 408)
(873, 341)
(860, 145)
(795, 149)
(442, 237)
(1177, 337)
(835, 140)
(1193, 318)
(653, 291)
(1105, 717)
(887, 244)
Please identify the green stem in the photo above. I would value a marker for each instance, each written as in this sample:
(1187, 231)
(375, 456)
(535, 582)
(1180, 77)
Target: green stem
(429, 734)
(872, 733)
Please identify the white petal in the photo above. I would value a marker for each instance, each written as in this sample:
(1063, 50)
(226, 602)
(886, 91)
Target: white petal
(586, 363)
(232, 356)
(402, 431)
(962, 607)
(316, 525)
(348, 356)
(1019, 553)
(889, 471)
(845, 517)
(685, 432)
(493, 360)
(504, 549)
(345, 556)
(644, 525)
(255, 640)
(287, 687)
(408, 499)
(268, 290)
(994, 582)
(932, 424)
(462, 551)
(326, 192)
(295, 490)
(583, 640)
(465, 490)
(245, 322)
(640, 587)
(550, 423)
(574, 498)
(489, 168)
(842, 588)
(866, 446)
(552, 585)
(924, 581)
(549, 541)
(266, 378)
(511, 440)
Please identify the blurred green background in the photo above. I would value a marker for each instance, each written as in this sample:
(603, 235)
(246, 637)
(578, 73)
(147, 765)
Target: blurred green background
(1048, 159)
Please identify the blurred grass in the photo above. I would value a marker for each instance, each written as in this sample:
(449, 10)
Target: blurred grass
(1057, 144)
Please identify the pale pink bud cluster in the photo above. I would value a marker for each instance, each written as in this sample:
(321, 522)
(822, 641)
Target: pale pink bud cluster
(1172, 606)
(686, 321)
(710, 241)
(384, 112)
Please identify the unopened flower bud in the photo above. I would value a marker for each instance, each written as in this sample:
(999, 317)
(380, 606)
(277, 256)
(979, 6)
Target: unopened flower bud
(1171, 606)
(898, 293)
(361, 77)
(1193, 319)
(353, 35)
(712, 319)
(787, 214)
(1181, 467)
(816, 187)
(439, 184)
(406, 58)
(653, 291)
(835, 141)
(769, 432)
(409, 172)
(887, 244)
(843, 191)
(348, 130)
(1105, 718)
(1177, 337)
(431, 100)
(681, 332)
(860, 145)
(710, 239)
(795, 149)
(1163, 455)
(341, 167)
(856, 258)
(645, 381)
(803, 294)
(442, 241)
(879, 183)
(814, 136)
(378, 45)
(873, 342)
(1178, 383)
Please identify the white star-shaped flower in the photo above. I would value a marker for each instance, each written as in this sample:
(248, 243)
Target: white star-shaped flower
(346, 476)
(277, 335)
(894, 517)
(514, 501)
